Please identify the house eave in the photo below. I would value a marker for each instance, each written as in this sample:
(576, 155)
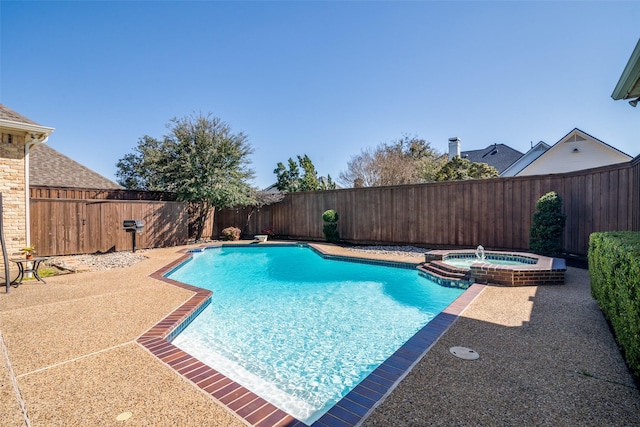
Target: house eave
(41, 131)
(629, 84)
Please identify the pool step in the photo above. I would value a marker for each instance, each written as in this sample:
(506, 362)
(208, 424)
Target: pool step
(440, 269)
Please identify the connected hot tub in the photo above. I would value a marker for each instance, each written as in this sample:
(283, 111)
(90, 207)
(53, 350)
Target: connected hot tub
(495, 267)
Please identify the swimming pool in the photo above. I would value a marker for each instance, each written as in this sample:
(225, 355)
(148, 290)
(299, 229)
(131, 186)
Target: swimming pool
(301, 330)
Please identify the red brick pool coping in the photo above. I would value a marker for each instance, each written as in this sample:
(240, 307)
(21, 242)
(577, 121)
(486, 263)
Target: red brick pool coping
(349, 411)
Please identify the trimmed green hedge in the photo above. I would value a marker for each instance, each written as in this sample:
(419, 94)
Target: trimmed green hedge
(614, 267)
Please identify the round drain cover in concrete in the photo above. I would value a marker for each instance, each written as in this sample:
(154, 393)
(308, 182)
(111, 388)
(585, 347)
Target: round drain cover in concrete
(464, 353)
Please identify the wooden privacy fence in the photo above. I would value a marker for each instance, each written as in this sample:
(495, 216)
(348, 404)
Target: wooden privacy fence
(495, 213)
(76, 221)
(40, 192)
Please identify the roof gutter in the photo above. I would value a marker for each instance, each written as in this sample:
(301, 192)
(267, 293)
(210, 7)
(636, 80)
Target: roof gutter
(630, 77)
(27, 127)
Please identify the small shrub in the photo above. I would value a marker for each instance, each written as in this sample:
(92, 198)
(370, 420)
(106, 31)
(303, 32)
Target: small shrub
(614, 269)
(330, 228)
(231, 233)
(545, 236)
(268, 231)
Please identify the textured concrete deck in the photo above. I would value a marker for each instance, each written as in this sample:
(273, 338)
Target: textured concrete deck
(72, 347)
(546, 357)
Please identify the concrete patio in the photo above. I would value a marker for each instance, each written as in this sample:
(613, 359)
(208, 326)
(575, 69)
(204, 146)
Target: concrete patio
(547, 357)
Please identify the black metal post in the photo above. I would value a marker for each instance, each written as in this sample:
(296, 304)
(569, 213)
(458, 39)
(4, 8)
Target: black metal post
(7, 277)
(133, 240)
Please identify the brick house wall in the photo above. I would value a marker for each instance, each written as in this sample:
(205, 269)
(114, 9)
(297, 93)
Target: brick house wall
(12, 187)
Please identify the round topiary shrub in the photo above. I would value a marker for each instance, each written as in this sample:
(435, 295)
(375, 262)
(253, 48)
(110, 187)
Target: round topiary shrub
(546, 231)
(330, 216)
(330, 229)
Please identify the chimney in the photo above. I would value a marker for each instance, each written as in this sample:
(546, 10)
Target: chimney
(454, 147)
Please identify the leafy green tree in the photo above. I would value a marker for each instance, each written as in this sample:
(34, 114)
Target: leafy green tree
(200, 160)
(309, 180)
(327, 184)
(290, 180)
(137, 170)
(460, 169)
(480, 170)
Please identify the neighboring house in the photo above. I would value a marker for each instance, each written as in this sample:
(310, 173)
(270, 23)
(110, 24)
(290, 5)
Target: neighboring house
(629, 84)
(19, 136)
(529, 157)
(575, 151)
(271, 189)
(500, 156)
(50, 168)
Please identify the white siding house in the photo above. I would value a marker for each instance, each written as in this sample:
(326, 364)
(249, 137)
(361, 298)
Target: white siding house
(529, 157)
(576, 151)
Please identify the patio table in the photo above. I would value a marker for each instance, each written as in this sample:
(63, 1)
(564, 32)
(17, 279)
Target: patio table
(25, 268)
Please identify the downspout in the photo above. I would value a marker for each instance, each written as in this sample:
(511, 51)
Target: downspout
(35, 140)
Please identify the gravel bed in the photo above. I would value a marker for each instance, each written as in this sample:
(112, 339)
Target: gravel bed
(97, 262)
(411, 251)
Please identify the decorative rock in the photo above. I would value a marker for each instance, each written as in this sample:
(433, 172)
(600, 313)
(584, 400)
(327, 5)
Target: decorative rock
(97, 262)
(411, 251)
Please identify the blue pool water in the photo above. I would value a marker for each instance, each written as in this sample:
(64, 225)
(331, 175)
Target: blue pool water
(299, 330)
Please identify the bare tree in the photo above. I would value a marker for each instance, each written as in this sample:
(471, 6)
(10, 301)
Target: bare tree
(360, 167)
(260, 199)
(408, 160)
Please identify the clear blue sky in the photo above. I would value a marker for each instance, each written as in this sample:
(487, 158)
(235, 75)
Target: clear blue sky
(319, 78)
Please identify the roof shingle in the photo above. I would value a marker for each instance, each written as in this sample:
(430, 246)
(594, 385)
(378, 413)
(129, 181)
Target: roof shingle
(499, 156)
(50, 168)
(7, 113)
